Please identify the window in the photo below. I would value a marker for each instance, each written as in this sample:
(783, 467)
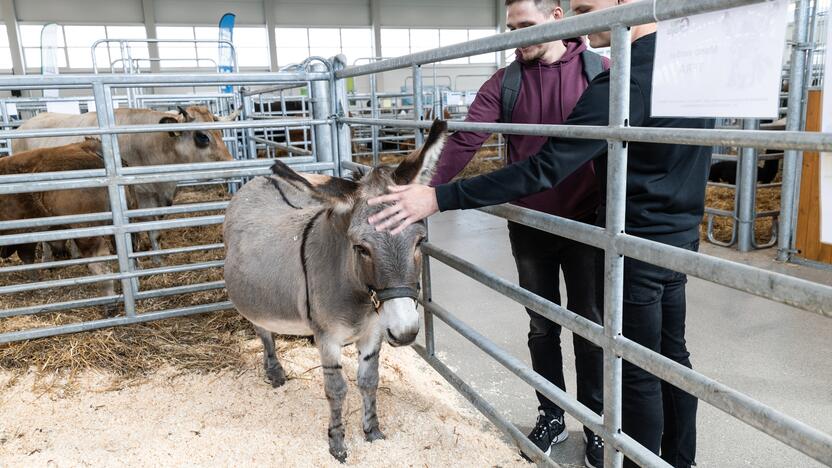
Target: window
(250, 43)
(74, 44)
(5, 51)
(296, 44)
(397, 42)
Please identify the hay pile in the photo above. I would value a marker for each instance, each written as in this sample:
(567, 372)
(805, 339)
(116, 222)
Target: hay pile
(768, 199)
(236, 418)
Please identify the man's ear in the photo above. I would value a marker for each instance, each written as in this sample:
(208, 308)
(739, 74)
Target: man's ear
(171, 120)
(558, 13)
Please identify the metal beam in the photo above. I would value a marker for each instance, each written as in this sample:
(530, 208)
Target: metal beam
(149, 13)
(13, 32)
(268, 14)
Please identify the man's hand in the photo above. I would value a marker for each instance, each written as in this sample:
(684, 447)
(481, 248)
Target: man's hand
(411, 203)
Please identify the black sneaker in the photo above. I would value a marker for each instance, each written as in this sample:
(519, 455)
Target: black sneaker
(548, 431)
(594, 454)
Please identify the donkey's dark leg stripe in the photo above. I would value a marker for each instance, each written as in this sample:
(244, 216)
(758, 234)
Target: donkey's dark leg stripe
(306, 230)
(282, 194)
(371, 355)
(336, 366)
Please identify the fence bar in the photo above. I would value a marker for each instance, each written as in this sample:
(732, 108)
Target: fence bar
(45, 236)
(704, 388)
(58, 264)
(796, 292)
(112, 322)
(746, 188)
(427, 298)
(153, 79)
(786, 429)
(531, 450)
(418, 107)
(613, 261)
(794, 122)
(107, 300)
(179, 250)
(681, 136)
(289, 148)
(541, 384)
(153, 128)
(321, 110)
(116, 194)
(631, 14)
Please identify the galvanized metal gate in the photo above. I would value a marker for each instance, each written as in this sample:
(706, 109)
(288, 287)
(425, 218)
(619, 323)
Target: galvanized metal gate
(331, 136)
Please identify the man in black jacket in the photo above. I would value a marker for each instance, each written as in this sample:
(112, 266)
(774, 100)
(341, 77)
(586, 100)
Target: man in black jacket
(665, 203)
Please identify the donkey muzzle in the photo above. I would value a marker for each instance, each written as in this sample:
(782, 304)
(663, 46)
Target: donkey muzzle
(398, 314)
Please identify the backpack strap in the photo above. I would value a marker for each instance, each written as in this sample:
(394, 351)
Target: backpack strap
(509, 90)
(593, 65)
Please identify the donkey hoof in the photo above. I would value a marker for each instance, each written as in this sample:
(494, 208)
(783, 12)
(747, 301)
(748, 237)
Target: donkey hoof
(339, 454)
(276, 376)
(373, 435)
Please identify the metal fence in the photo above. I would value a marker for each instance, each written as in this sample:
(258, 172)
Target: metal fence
(332, 152)
(616, 243)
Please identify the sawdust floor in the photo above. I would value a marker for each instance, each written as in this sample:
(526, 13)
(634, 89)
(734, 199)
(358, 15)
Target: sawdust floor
(237, 419)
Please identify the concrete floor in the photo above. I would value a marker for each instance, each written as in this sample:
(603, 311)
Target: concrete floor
(777, 354)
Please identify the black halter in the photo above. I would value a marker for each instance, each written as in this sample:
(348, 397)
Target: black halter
(379, 296)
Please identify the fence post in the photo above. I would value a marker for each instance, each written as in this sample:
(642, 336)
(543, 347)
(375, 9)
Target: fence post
(794, 119)
(746, 190)
(427, 297)
(322, 109)
(418, 107)
(341, 109)
(116, 193)
(374, 114)
(613, 261)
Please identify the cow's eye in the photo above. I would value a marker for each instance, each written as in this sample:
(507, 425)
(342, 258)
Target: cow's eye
(361, 250)
(201, 139)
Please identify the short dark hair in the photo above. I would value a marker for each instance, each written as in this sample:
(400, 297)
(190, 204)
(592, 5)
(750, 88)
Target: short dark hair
(545, 6)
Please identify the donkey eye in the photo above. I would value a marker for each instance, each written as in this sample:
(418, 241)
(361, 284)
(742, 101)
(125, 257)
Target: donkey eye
(201, 139)
(361, 250)
(421, 241)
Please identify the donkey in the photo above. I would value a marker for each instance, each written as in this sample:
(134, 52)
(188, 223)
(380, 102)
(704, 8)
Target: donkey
(301, 259)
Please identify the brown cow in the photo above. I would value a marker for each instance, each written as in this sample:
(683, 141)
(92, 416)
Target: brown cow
(142, 149)
(73, 157)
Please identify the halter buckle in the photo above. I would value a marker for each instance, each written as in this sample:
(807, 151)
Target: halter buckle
(374, 300)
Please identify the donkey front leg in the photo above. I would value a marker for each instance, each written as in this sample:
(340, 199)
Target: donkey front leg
(368, 349)
(335, 388)
(274, 371)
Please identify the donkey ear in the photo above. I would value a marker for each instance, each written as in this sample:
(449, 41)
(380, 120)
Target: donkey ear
(418, 166)
(332, 191)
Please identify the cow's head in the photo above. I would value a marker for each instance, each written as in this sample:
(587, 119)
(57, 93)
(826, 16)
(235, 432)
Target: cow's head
(379, 262)
(199, 145)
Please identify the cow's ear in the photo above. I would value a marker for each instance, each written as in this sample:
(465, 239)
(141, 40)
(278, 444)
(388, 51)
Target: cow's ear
(337, 193)
(418, 166)
(171, 120)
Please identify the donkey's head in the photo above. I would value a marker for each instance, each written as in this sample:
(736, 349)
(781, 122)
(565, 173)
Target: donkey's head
(384, 268)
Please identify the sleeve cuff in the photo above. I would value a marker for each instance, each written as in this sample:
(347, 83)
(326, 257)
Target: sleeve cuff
(446, 197)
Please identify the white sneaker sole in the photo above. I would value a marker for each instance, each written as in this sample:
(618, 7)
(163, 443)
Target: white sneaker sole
(587, 464)
(560, 438)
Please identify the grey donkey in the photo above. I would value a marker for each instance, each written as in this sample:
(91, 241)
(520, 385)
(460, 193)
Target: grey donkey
(301, 259)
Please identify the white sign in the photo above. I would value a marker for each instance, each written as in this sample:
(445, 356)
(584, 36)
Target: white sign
(826, 158)
(721, 64)
(11, 108)
(63, 107)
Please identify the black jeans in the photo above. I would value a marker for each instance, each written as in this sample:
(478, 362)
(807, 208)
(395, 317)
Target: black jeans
(539, 257)
(656, 414)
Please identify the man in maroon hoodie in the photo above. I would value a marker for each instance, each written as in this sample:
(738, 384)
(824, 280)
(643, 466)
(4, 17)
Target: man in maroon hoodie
(553, 78)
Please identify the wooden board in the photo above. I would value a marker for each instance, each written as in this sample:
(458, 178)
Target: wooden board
(808, 241)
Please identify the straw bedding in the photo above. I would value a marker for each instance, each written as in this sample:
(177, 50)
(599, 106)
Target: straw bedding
(191, 390)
